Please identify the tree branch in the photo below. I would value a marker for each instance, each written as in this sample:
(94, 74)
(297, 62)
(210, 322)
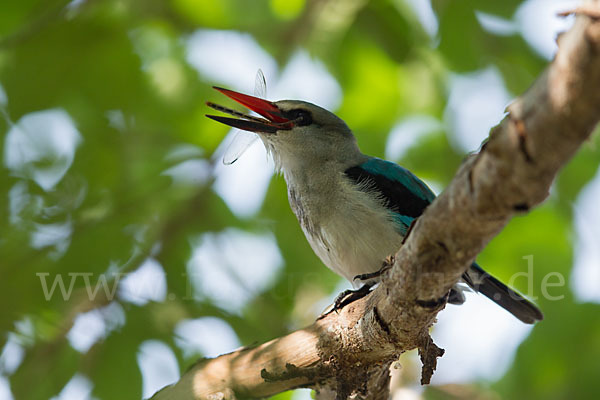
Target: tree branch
(346, 352)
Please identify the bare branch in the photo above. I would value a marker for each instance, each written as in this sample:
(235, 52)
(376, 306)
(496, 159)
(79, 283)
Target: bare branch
(345, 353)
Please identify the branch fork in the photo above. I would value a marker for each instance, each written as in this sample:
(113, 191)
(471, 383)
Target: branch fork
(348, 354)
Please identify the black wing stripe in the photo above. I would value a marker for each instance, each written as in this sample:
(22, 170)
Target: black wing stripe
(398, 197)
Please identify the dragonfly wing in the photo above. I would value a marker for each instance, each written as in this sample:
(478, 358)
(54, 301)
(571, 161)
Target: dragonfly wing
(243, 139)
(260, 85)
(240, 143)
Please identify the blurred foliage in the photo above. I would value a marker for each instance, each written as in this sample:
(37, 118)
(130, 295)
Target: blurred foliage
(118, 68)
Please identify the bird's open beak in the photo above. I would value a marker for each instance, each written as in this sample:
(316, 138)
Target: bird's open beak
(272, 122)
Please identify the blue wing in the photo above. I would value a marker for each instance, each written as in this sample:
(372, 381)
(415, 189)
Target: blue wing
(405, 195)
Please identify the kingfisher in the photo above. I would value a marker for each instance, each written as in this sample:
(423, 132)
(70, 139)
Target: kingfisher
(355, 210)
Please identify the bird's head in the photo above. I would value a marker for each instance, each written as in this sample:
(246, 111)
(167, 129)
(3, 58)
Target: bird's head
(296, 133)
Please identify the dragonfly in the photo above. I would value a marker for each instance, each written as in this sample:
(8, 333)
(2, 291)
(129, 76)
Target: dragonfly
(243, 139)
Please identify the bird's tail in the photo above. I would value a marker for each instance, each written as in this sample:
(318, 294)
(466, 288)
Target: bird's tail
(499, 293)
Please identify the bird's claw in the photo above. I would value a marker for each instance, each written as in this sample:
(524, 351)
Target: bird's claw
(387, 264)
(346, 297)
(435, 303)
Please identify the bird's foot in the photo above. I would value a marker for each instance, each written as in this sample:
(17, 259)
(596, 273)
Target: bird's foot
(387, 264)
(435, 303)
(346, 297)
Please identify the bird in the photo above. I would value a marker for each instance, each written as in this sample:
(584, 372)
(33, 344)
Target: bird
(355, 210)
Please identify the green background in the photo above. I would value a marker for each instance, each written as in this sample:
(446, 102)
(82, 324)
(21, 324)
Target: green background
(119, 71)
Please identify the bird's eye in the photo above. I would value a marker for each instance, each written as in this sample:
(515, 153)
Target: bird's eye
(300, 117)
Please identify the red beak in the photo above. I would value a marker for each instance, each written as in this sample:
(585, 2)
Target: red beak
(274, 120)
(256, 104)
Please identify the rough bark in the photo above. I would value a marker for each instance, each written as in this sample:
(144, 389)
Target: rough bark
(348, 354)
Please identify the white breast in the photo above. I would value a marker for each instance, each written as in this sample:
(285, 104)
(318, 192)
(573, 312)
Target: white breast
(348, 229)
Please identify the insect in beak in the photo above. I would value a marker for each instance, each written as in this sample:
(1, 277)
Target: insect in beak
(272, 122)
